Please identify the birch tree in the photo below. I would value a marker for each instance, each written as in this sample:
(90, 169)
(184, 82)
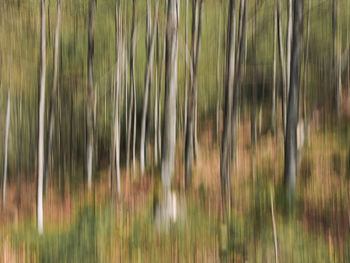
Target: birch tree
(53, 98)
(40, 217)
(148, 83)
(8, 113)
(290, 147)
(169, 119)
(117, 88)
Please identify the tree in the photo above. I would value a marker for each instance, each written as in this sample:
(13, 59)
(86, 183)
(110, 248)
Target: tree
(147, 102)
(169, 119)
(90, 99)
(156, 112)
(8, 112)
(226, 145)
(197, 10)
(40, 217)
(132, 89)
(282, 65)
(274, 91)
(53, 97)
(186, 70)
(117, 88)
(336, 59)
(218, 84)
(290, 146)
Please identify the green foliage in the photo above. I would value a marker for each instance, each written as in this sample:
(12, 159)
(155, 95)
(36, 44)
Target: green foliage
(88, 239)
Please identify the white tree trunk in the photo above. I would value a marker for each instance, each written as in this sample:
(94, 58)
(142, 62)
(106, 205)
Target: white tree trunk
(147, 92)
(6, 149)
(169, 124)
(40, 217)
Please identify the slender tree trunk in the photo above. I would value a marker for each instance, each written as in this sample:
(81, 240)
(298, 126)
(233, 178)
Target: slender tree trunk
(197, 8)
(19, 147)
(6, 149)
(147, 102)
(169, 121)
(90, 115)
(190, 114)
(218, 89)
(306, 60)
(290, 147)
(237, 81)
(149, 99)
(289, 42)
(274, 91)
(132, 81)
(336, 55)
(160, 95)
(186, 71)
(156, 127)
(226, 145)
(198, 43)
(283, 66)
(254, 91)
(134, 135)
(117, 88)
(53, 98)
(40, 217)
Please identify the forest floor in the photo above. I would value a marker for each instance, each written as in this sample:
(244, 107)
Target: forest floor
(319, 233)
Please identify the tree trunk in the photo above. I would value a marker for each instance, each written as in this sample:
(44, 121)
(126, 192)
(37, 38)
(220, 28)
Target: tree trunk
(186, 71)
(306, 60)
(237, 81)
(283, 66)
(336, 56)
(198, 43)
(40, 217)
(147, 102)
(90, 117)
(53, 98)
(156, 127)
(6, 149)
(290, 147)
(289, 43)
(226, 145)
(254, 91)
(117, 88)
(274, 92)
(197, 9)
(169, 121)
(160, 95)
(132, 82)
(165, 207)
(218, 84)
